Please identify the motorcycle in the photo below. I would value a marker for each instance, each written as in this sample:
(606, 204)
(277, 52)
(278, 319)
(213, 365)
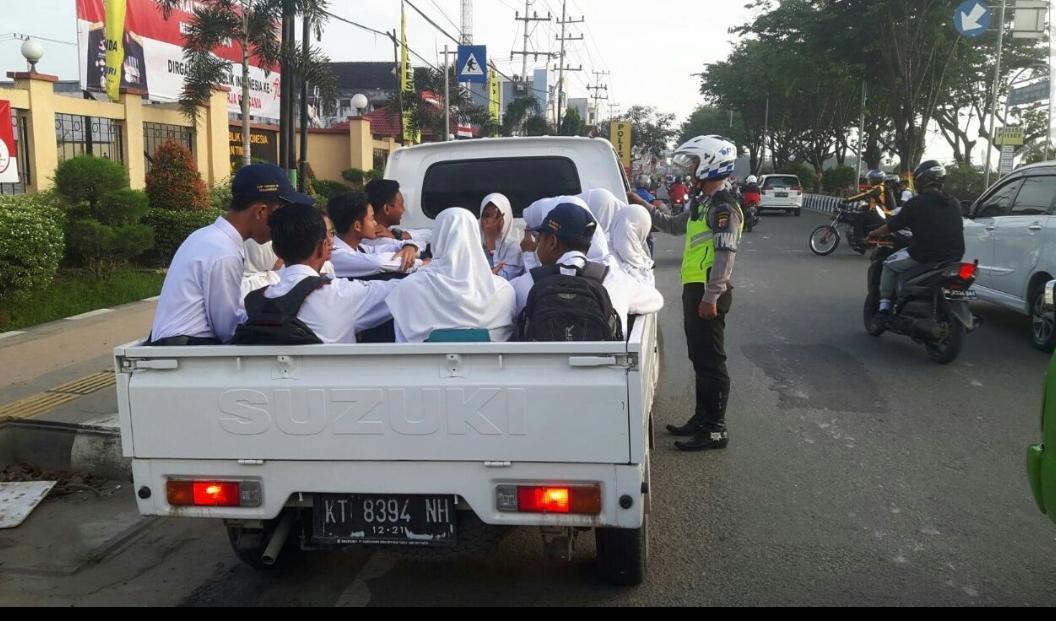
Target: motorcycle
(826, 238)
(931, 304)
(751, 215)
(678, 205)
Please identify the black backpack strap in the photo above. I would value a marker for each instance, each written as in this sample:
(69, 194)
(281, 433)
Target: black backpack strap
(541, 272)
(290, 303)
(255, 302)
(595, 271)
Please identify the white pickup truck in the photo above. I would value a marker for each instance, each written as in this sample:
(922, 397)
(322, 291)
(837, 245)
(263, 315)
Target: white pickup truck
(429, 450)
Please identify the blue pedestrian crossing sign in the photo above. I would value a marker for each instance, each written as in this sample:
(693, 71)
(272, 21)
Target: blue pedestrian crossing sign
(972, 18)
(472, 63)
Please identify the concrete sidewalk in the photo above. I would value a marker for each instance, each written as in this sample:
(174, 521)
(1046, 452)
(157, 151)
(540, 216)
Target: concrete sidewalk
(58, 406)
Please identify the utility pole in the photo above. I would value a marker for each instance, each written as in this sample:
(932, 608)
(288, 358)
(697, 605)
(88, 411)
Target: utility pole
(993, 103)
(597, 90)
(614, 112)
(447, 95)
(524, 52)
(561, 69)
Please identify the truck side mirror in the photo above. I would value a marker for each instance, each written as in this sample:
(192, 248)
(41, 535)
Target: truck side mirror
(966, 209)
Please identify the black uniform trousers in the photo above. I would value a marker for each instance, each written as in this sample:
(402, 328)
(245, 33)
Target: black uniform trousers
(705, 339)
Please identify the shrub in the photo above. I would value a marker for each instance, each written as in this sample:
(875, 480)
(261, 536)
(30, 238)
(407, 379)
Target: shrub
(325, 190)
(220, 196)
(31, 244)
(110, 234)
(964, 183)
(807, 177)
(174, 181)
(171, 228)
(86, 179)
(838, 178)
(354, 176)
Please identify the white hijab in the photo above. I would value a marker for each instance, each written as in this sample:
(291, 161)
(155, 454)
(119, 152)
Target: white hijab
(629, 232)
(456, 289)
(508, 246)
(604, 205)
(599, 244)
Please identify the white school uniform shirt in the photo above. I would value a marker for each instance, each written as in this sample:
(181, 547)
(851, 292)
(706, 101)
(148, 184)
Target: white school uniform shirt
(420, 237)
(630, 232)
(456, 290)
(599, 244)
(338, 311)
(367, 260)
(628, 296)
(201, 296)
(260, 259)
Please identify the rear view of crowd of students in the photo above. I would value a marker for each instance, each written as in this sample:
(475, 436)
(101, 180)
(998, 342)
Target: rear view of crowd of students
(464, 273)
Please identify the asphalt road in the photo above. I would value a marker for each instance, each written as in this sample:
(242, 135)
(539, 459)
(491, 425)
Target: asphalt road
(859, 473)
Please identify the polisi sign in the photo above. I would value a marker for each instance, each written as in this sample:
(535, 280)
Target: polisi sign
(375, 411)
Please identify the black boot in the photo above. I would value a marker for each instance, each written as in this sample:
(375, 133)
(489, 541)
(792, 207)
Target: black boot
(693, 425)
(712, 434)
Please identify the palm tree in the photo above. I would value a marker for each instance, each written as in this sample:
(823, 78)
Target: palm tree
(425, 115)
(255, 24)
(524, 117)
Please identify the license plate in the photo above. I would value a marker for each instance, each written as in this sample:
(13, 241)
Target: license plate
(958, 294)
(781, 194)
(384, 519)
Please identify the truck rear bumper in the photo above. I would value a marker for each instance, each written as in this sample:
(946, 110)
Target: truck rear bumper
(292, 483)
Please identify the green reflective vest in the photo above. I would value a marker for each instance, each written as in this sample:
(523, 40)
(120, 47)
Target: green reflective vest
(699, 254)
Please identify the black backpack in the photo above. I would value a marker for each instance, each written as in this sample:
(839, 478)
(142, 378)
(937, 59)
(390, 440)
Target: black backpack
(273, 321)
(563, 307)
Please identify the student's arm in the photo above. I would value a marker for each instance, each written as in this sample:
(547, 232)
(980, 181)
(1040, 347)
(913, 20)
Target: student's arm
(362, 264)
(223, 297)
(368, 303)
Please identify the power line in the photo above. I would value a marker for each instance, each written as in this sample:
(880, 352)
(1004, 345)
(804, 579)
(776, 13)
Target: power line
(565, 21)
(434, 24)
(433, 2)
(388, 35)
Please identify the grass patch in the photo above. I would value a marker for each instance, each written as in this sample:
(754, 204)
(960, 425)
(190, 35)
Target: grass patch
(77, 291)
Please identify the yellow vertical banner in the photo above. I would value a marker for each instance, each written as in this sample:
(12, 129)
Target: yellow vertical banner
(620, 137)
(494, 104)
(114, 29)
(410, 135)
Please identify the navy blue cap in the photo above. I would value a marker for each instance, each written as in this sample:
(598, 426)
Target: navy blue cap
(570, 222)
(266, 181)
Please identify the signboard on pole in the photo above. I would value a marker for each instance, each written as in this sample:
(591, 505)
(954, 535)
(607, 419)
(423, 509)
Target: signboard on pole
(1028, 94)
(1010, 136)
(1008, 152)
(620, 133)
(8, 150)
(472, 63)
(972, 18)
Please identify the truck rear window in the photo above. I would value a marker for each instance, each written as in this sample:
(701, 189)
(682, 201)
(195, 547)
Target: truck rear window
(524, 180)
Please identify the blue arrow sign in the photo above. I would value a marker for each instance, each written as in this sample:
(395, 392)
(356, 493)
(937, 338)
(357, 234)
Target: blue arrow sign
(972, 18)
(472, 63)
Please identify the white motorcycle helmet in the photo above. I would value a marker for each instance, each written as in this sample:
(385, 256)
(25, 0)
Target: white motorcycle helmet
(713, 156)
(751, 179)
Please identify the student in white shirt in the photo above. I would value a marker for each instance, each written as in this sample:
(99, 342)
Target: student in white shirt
(501, 239)
(354, 222)
(337, 311)
(603, 205)
(456, 290)
(201, 301)
(630, 232)
(388, 204)
(565, 237)
(264, 267)
(535, 214)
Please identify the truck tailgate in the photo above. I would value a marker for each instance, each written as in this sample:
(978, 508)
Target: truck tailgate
(538, 402)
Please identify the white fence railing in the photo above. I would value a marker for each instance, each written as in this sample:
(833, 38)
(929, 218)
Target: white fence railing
(818, 202)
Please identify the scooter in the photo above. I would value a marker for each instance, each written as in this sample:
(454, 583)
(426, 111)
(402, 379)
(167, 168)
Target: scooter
(751, 215)
(931, 304)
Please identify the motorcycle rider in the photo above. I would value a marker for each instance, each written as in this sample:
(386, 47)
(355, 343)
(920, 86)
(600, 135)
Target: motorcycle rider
(751, 190)
(712, 225)
(891, 185)
(678, 191)
(934, 217)
(877, 194)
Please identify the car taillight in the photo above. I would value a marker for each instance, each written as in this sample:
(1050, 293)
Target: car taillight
(797, 188)
(206, 493)
(767, 188)
(566, 499)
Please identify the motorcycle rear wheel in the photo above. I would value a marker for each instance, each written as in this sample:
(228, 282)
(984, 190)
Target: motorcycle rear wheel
(748, 224)
(824, 240)
(948, 350)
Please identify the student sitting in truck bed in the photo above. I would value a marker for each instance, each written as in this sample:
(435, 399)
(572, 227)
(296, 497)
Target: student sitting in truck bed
(501, 239)
(630, 234)
(599, 245)
(264, 268)
(337, 311)
(457, 289)
(604, 205)
(567, 246)
(353, 218)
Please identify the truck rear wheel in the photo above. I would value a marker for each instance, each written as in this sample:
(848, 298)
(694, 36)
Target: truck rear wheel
(623, 553)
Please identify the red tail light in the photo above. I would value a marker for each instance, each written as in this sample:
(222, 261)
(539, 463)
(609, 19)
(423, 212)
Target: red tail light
(968, 271)
(797, 188)
(767, 188)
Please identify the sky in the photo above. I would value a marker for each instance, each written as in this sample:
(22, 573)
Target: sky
(645, 55)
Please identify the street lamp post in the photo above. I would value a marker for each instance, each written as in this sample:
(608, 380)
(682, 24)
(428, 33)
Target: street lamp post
(360, 103)
(993, 102)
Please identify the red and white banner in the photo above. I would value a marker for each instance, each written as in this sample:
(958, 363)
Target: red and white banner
(8, 148)
(154, 56)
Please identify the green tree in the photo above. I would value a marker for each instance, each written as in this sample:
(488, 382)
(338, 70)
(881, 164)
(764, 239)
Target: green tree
(652, 131)
(572, 124)
(426, 109)
(706, 120)
(174, 181)
(85, 179)
(524, 117)
(254, 25)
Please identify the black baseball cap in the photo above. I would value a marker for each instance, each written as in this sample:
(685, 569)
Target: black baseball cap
(266, 181)
(569, 222)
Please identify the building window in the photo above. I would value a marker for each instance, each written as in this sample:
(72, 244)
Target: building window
(21, 131)
(92, 135)
(154, 134)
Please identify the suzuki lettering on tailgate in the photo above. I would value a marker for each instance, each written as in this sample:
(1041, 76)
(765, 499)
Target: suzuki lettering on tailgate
(375, 411)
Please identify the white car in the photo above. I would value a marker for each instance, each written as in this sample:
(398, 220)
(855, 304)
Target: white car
(780, 192)
(1007, 231)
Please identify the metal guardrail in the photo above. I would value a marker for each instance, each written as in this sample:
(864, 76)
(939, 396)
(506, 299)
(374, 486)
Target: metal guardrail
(819, 202)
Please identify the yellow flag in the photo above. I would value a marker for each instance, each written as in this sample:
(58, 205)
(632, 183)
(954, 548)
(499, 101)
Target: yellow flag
(410, 134)
(494, 105)
(114, 29)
